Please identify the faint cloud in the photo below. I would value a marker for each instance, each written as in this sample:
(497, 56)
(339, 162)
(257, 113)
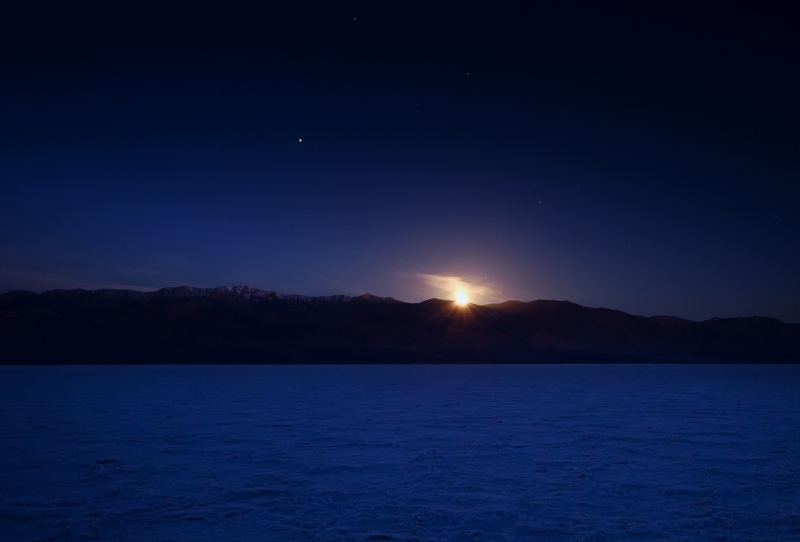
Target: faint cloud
(446, 286)
(14, 278)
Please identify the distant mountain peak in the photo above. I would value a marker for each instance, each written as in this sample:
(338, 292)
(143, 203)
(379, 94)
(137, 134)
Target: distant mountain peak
(18, 294)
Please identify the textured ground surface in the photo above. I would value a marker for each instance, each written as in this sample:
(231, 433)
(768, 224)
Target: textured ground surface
(400, 453)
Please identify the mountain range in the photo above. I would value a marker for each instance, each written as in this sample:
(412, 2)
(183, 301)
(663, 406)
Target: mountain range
(242, 324)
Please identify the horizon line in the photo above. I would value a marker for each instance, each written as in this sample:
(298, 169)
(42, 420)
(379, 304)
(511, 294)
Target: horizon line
(145, 290)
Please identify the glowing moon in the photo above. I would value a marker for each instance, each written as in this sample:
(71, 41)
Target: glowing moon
(461, 298)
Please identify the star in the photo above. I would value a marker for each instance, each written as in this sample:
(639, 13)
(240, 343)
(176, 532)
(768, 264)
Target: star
(300, 140)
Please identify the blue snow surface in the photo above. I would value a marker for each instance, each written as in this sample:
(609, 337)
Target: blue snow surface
(400, 452)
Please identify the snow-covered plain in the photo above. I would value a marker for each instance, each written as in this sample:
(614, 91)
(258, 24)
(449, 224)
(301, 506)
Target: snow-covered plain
(400, 452)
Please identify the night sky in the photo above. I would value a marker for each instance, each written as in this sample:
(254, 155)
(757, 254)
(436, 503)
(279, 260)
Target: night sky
(647, 161)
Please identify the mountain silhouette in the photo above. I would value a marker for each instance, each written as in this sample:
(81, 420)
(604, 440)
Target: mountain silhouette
(248, 325)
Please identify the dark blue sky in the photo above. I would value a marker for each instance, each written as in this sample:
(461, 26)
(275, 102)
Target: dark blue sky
(640, 160)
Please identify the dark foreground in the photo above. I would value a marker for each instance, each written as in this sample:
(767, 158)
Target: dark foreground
(422, 452)
(247, 325)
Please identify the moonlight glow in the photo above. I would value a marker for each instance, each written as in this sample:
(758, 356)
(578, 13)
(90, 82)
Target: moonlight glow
(461, 298)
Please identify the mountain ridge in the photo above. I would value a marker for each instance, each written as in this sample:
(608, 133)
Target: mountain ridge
(242, 324)
(175, 292)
